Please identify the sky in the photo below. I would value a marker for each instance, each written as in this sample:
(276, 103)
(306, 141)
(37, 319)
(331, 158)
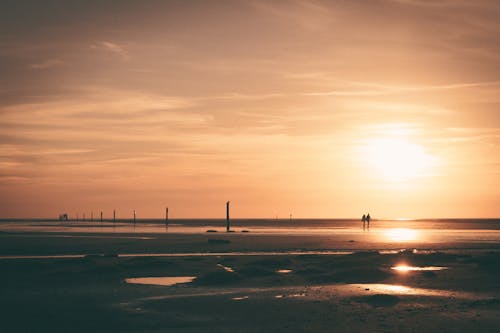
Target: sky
(319, 109)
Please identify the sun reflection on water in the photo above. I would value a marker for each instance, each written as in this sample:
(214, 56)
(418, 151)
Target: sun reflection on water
(401, 235)
(406, 268)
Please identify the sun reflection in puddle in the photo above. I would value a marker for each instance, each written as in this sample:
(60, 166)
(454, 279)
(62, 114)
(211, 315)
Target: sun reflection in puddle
(284, 271)
(290, 295)
(405, 290)
(226, 268)
(405, 268)
(241, 298)
(161, 281)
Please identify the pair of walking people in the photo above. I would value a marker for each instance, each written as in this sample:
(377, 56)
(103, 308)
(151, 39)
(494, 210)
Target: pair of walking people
(366, 219)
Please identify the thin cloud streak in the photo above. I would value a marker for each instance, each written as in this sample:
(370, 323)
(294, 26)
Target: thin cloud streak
(390, 90)
(47, 64)
(113, 48)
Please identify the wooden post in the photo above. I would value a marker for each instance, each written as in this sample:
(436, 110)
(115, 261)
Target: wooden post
(134, 216)
(91, 216)
(101, 216)
(114, 216)
(166, 216)
(227, 216)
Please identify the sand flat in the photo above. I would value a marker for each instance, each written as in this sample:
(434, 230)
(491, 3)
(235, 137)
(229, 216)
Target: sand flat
(343, 281)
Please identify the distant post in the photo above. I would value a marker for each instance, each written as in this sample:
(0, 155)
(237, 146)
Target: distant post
(227, 216)
(114, 216)
(91, 216)
(101, 216)
(83, 219)
(134, 216)
(166, 216)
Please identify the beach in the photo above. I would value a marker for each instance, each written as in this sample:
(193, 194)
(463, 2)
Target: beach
(250, 166)
(299, 276)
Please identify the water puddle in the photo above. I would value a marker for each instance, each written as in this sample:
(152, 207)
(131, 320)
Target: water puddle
(184, 254)
(389, 251)
(236, 254)
(279, 296)
(402, 251)
(56, 256)
(405, 268)
(82, 236)
(241, 298)
(161, 281)
(226, 268)
(379, 288)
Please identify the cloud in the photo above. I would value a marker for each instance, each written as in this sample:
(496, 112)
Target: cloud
(13, 150)
(113, 48)
(47, 64)
(381, 89)
(310, 15)
(444, 3)
(242, 97)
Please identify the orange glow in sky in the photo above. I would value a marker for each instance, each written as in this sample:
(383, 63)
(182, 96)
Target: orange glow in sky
(312, 108)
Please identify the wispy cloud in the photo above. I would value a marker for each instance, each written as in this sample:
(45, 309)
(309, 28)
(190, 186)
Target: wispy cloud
(112, 47)
(47, 64)
(444, 3)
(310, 15)
(242, 97)
(381, 89)
(15, 151)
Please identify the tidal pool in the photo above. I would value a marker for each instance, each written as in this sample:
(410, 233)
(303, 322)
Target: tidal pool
(405, 268)
(161, 280)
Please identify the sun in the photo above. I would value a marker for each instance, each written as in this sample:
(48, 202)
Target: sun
(397, 159)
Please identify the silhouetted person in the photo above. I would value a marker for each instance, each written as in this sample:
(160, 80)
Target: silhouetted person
(368, 218)
(364, 221)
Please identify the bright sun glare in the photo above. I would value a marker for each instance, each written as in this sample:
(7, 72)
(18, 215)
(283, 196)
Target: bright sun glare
(397, 159)
(401, 235)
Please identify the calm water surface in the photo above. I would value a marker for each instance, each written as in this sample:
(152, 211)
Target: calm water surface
(389, 231)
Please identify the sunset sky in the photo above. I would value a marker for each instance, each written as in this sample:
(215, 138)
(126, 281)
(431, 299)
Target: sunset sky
(316, 108)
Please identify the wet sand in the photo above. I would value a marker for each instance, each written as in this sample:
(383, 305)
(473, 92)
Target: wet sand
(270, 286)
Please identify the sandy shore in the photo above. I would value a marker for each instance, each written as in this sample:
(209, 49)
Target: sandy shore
(283, 292)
